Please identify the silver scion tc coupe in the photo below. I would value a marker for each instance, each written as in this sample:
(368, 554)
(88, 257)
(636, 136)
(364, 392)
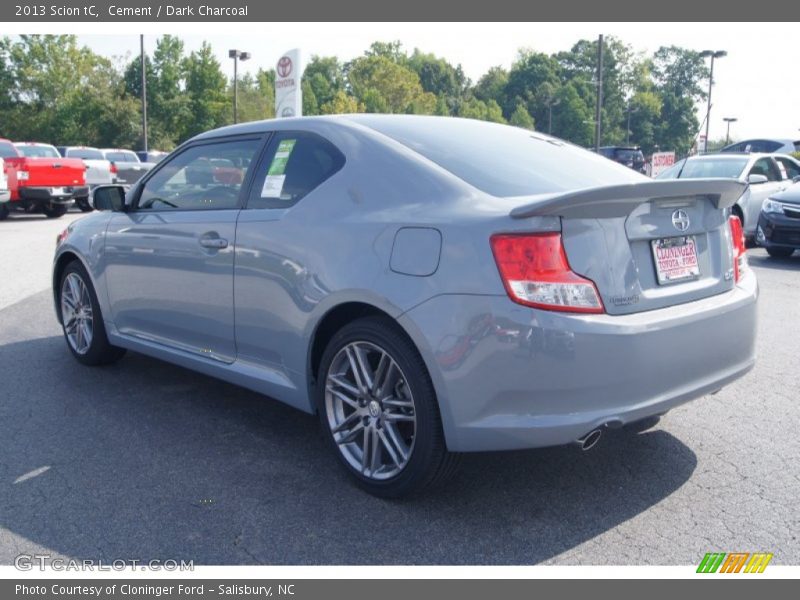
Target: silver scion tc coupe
(428, 286)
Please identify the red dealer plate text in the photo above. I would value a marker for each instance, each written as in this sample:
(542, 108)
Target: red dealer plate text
(676, 259)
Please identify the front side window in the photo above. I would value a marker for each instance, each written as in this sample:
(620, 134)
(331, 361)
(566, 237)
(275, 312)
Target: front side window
(297, 162)
(767, 168)
(204, 177)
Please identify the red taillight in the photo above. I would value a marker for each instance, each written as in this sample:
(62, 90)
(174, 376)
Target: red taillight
(536, 273)
(113, 169)
(738, 248)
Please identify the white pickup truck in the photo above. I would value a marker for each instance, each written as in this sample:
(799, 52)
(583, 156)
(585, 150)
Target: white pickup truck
(99, 170)
(5, 194)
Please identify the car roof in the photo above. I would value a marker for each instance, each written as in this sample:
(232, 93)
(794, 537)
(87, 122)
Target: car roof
(322, 122)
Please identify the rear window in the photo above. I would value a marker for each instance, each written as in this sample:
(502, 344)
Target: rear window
(122, 156)
(38, 151)
(500, 160)
(7, 150)
(85, 153)
(700, 168)
(629, 155)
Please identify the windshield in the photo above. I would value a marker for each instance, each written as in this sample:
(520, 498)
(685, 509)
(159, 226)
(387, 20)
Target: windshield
(120, 156)
(86, 153)
(38, 151)
(709, 167)
(501, 160)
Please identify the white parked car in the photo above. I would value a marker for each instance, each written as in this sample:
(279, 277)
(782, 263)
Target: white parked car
(765, 174)
(99, 170)
(5, 194)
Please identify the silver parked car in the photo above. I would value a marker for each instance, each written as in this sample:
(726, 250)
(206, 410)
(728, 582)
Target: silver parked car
(763, 174)
(128, 166)
(428, 286)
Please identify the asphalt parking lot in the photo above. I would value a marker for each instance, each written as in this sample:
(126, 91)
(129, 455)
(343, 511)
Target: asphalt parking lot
(144, 460)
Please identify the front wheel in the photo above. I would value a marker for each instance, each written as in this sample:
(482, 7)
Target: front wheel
(54, 211)
(379, 412)
(83, 204)
(81, 319)
(780, 252)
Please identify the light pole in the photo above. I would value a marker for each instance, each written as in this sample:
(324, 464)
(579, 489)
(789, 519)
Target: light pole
(729, 120)
(236, 55)
(713, 54)
(550, 104)
(144, 94)
(628, 130)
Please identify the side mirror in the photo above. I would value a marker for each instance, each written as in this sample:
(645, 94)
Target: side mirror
(754, 179)
(109, 197)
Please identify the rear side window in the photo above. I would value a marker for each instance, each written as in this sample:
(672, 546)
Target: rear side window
(7, 150)
(501, 160)
(296, 163)
(792, 170)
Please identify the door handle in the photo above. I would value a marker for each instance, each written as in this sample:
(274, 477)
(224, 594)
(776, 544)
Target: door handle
(213, 242)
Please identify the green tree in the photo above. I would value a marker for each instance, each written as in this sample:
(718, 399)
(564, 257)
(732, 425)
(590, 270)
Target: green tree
(520, 117)
(385, 86)
(206, 92)
(342, 103)
(325, 78)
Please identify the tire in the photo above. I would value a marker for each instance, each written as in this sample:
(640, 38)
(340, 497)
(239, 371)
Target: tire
(4, 211)
(780, 252)
(73, 299)
(55, 211)
(83, 204)
(410, 413)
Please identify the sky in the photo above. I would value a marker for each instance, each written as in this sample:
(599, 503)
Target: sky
(756, 82)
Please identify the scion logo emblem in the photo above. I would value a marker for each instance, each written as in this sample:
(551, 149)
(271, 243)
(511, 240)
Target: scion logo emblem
(285, 66)
(680, 220)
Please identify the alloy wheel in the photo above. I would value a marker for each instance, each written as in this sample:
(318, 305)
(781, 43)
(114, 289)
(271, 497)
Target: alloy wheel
(76, 313)
(370, 410)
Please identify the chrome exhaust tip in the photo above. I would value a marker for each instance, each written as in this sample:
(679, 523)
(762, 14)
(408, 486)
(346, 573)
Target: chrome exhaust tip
(590, 440)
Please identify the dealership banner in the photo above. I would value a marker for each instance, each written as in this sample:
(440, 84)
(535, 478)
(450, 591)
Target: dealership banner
(124, 11)
(288, 93)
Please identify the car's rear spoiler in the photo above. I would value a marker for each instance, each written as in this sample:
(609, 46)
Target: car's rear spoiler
(620, 200)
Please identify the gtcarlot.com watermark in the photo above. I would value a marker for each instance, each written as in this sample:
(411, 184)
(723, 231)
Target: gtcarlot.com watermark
(45, 562)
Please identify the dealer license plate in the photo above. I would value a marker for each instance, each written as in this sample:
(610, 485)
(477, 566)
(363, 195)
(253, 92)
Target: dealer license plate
(676, 259)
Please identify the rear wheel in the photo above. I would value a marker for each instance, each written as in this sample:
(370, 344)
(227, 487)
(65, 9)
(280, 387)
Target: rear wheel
(379, 412)
(780, 252)
(3, 210)
(54, 211)
(81, 319)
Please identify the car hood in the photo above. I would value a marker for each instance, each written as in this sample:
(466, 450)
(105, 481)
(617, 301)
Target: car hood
(790, 196)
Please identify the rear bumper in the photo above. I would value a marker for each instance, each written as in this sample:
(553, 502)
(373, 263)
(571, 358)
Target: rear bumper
(55, 195)
(510, 377)
(777, 231)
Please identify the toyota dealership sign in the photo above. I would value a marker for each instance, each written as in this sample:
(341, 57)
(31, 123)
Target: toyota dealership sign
(288, 94)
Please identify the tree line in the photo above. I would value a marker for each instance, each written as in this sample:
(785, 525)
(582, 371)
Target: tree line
(54, 90)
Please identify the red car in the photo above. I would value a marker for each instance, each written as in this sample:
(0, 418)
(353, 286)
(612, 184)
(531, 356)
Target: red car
(41, 185)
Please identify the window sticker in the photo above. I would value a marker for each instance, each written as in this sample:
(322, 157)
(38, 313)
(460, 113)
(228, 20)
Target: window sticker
(273, 183)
